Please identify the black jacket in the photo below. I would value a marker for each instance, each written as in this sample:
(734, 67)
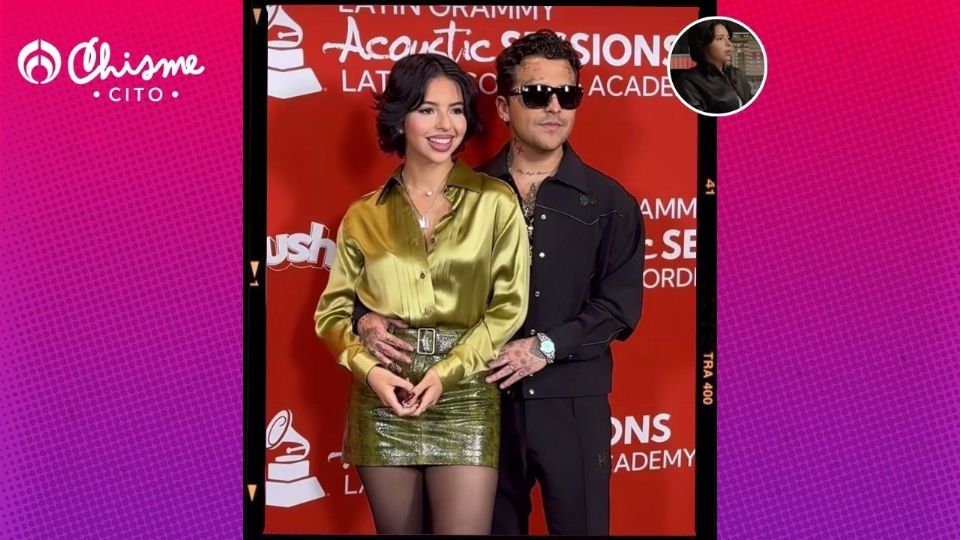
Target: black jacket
(705, 88)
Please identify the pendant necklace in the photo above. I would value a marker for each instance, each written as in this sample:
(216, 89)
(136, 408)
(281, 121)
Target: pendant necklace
(422, 219)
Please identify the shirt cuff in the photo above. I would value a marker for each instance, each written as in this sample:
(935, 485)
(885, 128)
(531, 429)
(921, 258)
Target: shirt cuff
(566, 341)
(359, 310)
(361, 364)
(451, 371)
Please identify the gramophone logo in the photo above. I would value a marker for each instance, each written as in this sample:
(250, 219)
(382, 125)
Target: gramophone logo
(42, 54)
(287, 77)
(288, 478)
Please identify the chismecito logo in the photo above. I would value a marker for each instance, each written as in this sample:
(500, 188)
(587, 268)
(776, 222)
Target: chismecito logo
(39, 54)
(91, 61)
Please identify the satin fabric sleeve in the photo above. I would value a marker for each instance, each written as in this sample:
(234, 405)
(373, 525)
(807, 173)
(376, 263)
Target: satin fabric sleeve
(332, 317)
(507, 307)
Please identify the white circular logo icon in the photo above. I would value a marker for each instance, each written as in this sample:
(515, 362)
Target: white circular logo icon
(35, 54)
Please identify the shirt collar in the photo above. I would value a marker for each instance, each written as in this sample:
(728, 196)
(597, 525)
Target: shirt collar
(460, 176)
(571, 171)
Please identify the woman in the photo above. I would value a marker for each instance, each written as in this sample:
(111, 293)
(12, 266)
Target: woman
(713, 86)
(444, 250)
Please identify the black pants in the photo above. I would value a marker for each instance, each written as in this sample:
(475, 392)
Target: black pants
(564, 444)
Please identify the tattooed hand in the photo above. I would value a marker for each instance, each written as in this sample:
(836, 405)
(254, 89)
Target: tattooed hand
(376, 338)
(517, 359)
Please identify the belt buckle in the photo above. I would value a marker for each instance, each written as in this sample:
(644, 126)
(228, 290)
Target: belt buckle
(426, 337)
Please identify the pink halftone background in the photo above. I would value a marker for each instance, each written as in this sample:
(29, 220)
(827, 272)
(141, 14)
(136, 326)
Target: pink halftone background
(837, 321)
(836, 270)
(121, 280)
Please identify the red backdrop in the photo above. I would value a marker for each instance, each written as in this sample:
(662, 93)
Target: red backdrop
(322, 154)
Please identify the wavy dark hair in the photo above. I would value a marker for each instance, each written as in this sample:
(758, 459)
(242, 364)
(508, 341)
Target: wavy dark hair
(700, 36)
(405, 91)
(545, 43)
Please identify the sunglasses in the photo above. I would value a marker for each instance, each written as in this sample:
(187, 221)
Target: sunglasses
(537, 96)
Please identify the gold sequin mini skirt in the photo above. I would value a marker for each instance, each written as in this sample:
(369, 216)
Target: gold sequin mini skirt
(462, 428)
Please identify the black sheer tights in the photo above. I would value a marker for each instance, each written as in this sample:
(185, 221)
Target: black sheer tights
(460, 498)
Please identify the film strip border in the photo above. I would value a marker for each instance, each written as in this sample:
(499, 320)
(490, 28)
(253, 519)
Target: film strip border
(254, 231)
(254, 317)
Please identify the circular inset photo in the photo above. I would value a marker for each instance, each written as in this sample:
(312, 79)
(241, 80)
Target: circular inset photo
(717, 66)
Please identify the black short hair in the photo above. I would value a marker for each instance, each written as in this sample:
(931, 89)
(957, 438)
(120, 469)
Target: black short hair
(545, 43)
(405, 91)
(700, 36)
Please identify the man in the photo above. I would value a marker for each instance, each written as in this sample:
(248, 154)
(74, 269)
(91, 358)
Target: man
(586, 289)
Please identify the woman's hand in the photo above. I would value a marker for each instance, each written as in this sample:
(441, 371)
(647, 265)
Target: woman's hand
(427, 392)
(386, 384)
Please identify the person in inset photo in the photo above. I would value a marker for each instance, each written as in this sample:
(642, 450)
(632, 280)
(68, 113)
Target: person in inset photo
(715, 84)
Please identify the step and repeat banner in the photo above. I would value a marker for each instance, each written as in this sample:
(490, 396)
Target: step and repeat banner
(323, 64)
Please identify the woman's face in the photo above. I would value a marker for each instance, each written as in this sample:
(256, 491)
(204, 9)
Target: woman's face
(720, 50)
(436, 128)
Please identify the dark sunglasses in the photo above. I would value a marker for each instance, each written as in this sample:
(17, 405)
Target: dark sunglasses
(537, 96)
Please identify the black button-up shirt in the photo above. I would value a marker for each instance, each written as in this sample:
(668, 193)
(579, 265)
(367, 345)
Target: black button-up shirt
(586, 276)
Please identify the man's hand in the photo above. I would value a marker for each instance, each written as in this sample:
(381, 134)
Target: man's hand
(517, 359)
(376, 338)
(386, 385)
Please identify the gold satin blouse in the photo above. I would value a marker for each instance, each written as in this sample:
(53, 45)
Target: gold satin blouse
(473, 274)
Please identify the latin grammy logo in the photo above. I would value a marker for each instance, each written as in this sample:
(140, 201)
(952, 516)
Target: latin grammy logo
(286, 75)
(288, 478)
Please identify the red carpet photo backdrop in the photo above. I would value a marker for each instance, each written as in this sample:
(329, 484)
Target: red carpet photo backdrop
(323, 64)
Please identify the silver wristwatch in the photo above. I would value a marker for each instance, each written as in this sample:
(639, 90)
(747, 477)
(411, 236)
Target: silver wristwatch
(547, 347)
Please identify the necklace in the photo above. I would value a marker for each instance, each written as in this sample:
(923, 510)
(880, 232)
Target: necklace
(426, 192)
(422, 219)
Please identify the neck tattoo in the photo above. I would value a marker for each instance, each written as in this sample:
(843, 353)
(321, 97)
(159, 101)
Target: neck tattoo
(512, 169)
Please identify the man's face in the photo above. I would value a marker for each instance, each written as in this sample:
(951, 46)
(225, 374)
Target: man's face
(544, 129)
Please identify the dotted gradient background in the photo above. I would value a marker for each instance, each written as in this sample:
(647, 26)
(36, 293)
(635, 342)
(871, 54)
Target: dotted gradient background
(837, 304)
(121, 279)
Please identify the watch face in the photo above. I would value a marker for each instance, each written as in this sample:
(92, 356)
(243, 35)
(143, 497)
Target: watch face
(546, 347)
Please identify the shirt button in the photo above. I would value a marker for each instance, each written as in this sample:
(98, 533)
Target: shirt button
(543, 217)
(422, 275)
(531, 392)
(413, 242)
(569, 357)
(533, 332)
(542, 254)
(536, 293)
